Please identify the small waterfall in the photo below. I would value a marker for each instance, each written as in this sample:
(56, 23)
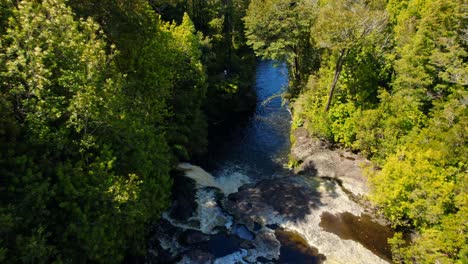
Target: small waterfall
(227, 181)
(198, 174)
(230, 179)
(209, 214)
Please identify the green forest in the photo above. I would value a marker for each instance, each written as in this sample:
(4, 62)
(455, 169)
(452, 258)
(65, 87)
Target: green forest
(387, 79)
(99, 100)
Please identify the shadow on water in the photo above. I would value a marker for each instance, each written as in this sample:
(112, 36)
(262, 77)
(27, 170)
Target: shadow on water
(259, 146)
(295, 250)
(362, 229)
(221, 245)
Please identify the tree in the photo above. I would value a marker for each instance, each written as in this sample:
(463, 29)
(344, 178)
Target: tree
(346, 25)
(187, 133)
(423, 185)
(280, 30)
(431, 51)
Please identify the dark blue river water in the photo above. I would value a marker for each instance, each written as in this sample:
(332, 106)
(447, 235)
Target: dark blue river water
(259, 150)
(259, 147)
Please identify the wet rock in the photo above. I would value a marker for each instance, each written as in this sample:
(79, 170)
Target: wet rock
(296, 204)
(266, 245)
(263, 260)
(247, 244)
(197, 256)
(220, 229)
(159, 256)
(256, 226)
(272, 201)
(191, 237)
(162, 245)
(363, 229)
(243, 232)
(337, 250)
(183, 193)
(234, 258)
(273, 226)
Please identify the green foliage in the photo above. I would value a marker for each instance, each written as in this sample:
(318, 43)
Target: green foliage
(431, 63)
(424, 183)
(309, 106)
(222, 41)
(189, 89)
(345, 27)
(346, 24)
(400, 99)
(379, 131)
(89, 130)
(280, 30)
(343, 124)
(6, 8)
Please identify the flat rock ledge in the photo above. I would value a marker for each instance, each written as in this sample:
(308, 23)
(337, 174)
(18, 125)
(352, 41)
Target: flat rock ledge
(317, 158)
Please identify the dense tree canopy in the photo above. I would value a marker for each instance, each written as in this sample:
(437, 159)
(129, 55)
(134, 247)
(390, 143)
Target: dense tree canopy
(98, 100)
(280, 30)
(398, 73)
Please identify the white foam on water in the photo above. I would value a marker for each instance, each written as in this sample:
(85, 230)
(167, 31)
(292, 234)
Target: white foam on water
(178, 224)
(209, 214)
(198, 174)
(236, 257)
(228, 181)
(336, 250)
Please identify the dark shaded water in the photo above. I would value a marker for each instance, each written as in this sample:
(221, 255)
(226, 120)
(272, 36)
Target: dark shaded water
(295, 250)
(361, 229)
(259, 147)
(221, 245)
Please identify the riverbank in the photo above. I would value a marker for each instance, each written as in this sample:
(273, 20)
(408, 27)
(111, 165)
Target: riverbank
(345, 228)
(316, 157)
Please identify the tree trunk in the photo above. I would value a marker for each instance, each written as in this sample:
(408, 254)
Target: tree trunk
(296, 68)
(339, 66)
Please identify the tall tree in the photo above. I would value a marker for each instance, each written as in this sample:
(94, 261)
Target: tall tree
(346, 25)
(280, 30)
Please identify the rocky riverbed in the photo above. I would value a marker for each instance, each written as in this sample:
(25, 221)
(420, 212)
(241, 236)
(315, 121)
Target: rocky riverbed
(248, 222)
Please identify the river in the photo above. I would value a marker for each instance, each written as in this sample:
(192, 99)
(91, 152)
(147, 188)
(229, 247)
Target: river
(258, 147)
(245, 206)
